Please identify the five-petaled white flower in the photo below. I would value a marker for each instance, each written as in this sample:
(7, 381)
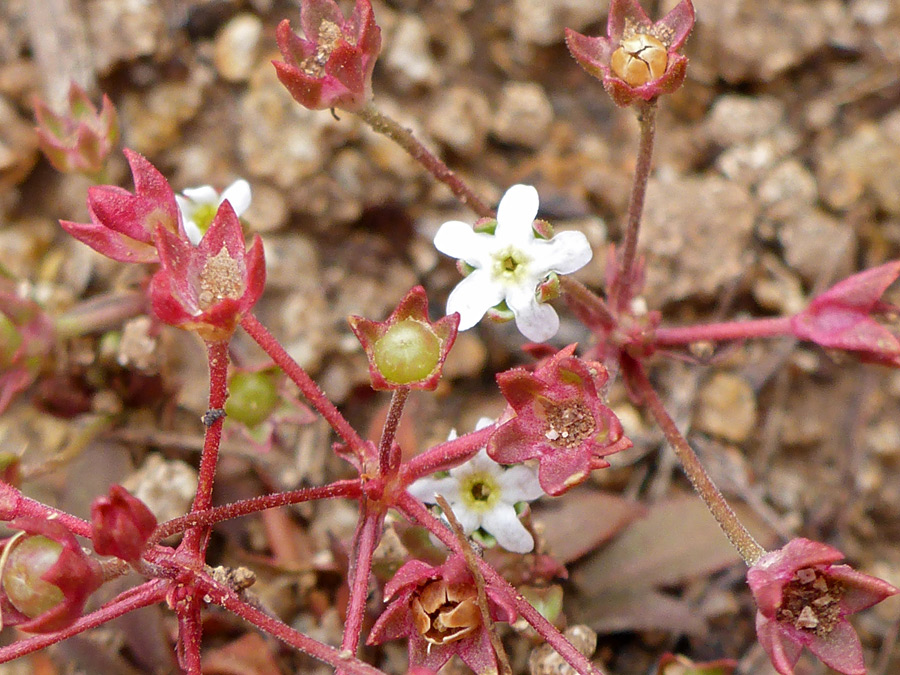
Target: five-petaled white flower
(510, 264)
(198, 206)
(483, 494)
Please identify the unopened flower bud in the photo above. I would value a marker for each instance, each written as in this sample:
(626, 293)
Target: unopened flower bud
(121, 524)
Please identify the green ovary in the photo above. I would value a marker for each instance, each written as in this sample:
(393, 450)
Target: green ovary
(479, 491)
(409, 352)
(252, 397)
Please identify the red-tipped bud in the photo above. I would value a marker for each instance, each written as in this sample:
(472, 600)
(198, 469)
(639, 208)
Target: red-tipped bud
(406, 350)
(208, 288)
(80, 139)
(121, 524)
(46, 576)
(332, 67)
(639, 59)
(122, 224)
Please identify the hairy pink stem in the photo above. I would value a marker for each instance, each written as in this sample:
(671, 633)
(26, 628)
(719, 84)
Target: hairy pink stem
(246, 507)
(445, 455)
(144, 595)
(385, 465)
(719, 332)
(308, 388)
(190, 635)
(13, 504)
(624, 290)
(228, 599)
(403, 137)
(365, 540)
(195, 540)
(416, 512)
(590, 308)
(737, 534)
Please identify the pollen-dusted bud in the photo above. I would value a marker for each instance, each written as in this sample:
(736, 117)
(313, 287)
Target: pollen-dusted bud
(46, 577)
(406, 350)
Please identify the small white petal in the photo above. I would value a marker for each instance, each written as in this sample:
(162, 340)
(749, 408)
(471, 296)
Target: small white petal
(520, 484)
(472, 297)
(484, 422)
(238, 195)
(515, 215)
(479, 463)
(469, 520)
(504, 524)
(426, 488)
(458, 240)
(192, 231)
(205, 194)
(536, 321)
(564, 253)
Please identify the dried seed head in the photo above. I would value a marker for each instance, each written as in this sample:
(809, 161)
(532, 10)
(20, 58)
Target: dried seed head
(640, 59)
(221, 278)
(810, 602)
(444, 613)
(569, 424)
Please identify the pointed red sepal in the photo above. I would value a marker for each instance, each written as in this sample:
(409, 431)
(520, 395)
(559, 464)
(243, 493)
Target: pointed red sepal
(803, 600)
(558, 417)
(842, 317)
(639, 59)
(407, 349)
(332, 67)
(208, 288)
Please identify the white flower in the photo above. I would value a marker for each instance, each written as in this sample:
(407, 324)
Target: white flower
(510, 264)
(198, 206)
(483, 494)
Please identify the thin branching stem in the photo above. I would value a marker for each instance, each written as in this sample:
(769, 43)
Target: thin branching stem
(624, 290)
(403, 137)
(720, 332)
(387, 466)
(740, 537)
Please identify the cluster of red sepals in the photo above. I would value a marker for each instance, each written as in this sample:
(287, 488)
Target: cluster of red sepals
(211, 288)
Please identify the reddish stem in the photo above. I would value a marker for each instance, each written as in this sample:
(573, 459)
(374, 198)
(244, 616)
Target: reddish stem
(13, 504)
(195, 540)
(228, 599)
(146, 594)
(190, 635)
(416, 512)
(590, 308)
(308, 388)
(737, 534)
(719, 332)
(245, 507)
(445, 455)
(624, 290)
(365, 540)
(403, 137)
(387, 467)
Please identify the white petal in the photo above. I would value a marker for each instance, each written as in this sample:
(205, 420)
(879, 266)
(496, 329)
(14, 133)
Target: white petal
(472, 297)
(564, 253)
(515, 215)
(205, 194)
(536, 321)
(426, 488)
(458, 240)
(484, 422)
(480, 463)
(238, 195)
(469, 520)
(193, 232)
(504, 524)
(520, 484)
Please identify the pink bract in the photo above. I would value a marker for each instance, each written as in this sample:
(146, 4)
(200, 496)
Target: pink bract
(208, 288)
(408, 592)
(841, 317)
(558, 417)
(627, 19)
(803, 599)
(332, 67)
(122, 224)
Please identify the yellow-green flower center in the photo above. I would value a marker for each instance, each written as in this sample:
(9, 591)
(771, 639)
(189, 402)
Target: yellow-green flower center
(480, 491)
(203, 216)
(510, 266)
